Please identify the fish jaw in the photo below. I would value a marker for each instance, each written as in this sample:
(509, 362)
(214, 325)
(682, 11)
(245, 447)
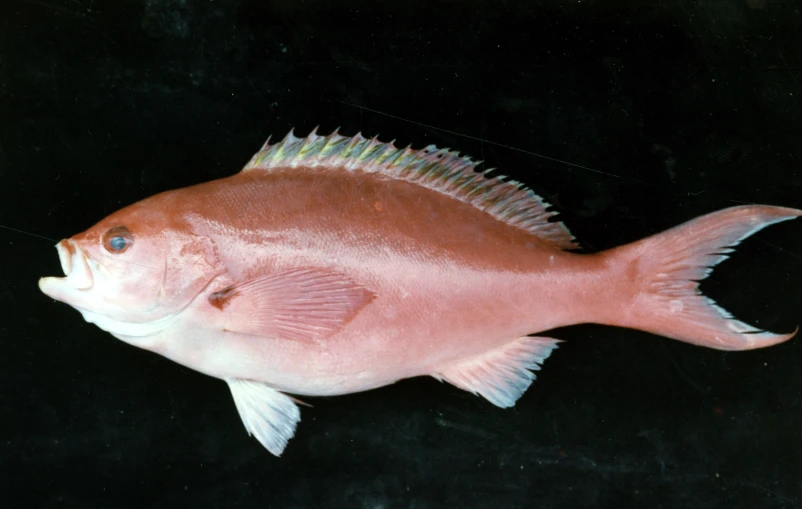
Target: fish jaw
(78, 275)
(80, 288)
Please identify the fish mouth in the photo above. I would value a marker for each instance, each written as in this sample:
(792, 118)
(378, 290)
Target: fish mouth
(65, 252)
(77, 273)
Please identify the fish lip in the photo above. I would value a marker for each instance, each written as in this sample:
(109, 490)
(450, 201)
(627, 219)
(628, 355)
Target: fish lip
(65, 252)
(75, 264)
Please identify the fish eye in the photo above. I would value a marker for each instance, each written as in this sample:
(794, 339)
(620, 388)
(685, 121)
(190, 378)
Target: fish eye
(117, 240)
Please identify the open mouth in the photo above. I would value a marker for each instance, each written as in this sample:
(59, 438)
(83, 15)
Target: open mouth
(74, 264)
(65, 252)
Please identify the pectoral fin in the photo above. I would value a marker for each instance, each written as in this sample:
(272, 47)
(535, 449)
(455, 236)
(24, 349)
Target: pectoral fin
(267, 414)
(501, 376)
(305, 304)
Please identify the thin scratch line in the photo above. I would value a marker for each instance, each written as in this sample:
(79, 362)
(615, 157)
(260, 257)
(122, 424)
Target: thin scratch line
(66, 11)
(27, 233)
(256, 90)
(767, 490)
(54, 240)
(788, 68)
(76, 13)
(698, 387)
(495, 143)
(779, 248)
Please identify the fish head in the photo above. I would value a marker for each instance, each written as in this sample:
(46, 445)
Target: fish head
(139, 266)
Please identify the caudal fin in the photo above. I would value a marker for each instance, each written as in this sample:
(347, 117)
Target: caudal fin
(666, 268)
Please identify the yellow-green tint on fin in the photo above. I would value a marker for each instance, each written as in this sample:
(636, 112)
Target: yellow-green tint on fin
(440, 170)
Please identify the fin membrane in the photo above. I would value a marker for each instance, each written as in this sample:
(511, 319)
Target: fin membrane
(304, 304)
(670, 266)
(440, 170)
(267, 414)
(501, 376)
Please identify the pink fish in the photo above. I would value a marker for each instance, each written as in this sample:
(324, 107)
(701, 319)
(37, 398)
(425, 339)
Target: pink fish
(331, 265)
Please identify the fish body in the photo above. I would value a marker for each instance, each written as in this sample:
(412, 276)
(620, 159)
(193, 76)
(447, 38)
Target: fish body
(333, 265)
(445, 280)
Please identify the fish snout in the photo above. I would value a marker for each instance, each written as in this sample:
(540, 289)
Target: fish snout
(75, 264)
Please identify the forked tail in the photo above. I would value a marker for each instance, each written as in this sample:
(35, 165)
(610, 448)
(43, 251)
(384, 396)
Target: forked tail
(664, 271)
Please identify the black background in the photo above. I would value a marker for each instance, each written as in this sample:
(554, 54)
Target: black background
(675, 108)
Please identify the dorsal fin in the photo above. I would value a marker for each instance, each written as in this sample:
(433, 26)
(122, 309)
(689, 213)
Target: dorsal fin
(440, 170)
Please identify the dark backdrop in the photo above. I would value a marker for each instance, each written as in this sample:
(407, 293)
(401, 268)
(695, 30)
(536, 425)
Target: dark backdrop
(665, 110)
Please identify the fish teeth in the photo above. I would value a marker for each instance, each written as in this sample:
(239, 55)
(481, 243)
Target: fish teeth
(65, 256)
(75, 265)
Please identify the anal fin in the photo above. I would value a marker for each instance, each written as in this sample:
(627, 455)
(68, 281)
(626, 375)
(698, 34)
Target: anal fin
(267, 414)
(501, 376)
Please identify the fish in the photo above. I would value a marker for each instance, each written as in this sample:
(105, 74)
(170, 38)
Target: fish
(332, 265)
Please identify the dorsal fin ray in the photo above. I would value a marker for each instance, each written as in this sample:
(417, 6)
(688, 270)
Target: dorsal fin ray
(441, 170)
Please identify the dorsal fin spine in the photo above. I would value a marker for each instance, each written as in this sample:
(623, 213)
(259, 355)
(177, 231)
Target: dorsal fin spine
(441, 170)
